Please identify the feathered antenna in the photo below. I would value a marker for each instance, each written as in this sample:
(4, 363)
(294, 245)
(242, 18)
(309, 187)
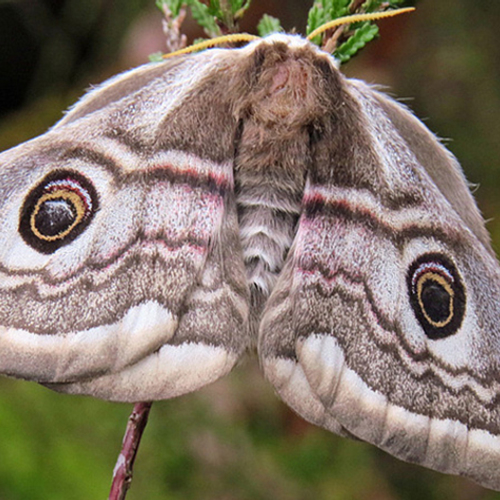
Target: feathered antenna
(245, 37)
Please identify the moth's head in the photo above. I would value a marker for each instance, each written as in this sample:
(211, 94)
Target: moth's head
(285, 81)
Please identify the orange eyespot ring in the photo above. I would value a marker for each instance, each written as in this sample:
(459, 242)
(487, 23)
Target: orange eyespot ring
(69, 198)
(437, 295)
(57, 210)
(431, 281)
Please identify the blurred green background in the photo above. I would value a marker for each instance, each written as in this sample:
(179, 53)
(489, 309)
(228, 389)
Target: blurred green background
(234, 439)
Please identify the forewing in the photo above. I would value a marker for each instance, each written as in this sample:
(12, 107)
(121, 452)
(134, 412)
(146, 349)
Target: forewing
(342, 337)
(146, 298)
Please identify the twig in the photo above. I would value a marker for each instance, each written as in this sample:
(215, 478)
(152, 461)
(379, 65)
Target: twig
(174, 39)
(355, 5)
(331, 39)
(330, 43)
(122, 474)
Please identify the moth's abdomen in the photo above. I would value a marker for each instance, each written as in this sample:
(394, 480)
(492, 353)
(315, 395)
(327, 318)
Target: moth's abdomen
(283, 102)
(269, 185)
(267, 217)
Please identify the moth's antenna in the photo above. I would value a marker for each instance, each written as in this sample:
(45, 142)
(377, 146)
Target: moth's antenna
(245, 37)
(356, 18)
(233, 38)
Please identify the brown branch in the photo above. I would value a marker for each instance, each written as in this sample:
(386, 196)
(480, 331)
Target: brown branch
(340, 33)
(332, 37)
(174, 39)
(122, 475)
(355, 5)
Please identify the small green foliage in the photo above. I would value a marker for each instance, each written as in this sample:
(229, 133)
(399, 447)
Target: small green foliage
(174, 6)
(156, 57)
(360, 37)
(238, 7)
(378, 5)
(324, 11)
(205, 16)
(219, 17)
(268, 24)
(315, 19)
(199, 40)
(346, 40)
(217, 14)
(336, 8)
(372, 5)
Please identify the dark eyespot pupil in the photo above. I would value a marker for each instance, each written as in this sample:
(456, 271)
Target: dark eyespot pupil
(436, 301)
(437, 295)
(55, 216)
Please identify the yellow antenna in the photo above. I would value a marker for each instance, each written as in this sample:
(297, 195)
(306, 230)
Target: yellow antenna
(245, 37)
(356, 18)
(233, 38)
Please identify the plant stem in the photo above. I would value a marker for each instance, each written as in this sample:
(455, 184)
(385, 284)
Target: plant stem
(122, 474)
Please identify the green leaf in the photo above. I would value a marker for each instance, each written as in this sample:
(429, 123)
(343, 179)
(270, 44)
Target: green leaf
(236, 5)
(267, 25)
(361, 36)
(244, 4)
(327, 6)
(324, 11)
(224, 12)
(204, 17)
(315, 19)
(214, 8)
(372, 5)
(337, 8)
(378, 5)
(156, 57)
(174, 6)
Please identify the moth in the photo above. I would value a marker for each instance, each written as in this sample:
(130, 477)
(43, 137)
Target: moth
(188, 211)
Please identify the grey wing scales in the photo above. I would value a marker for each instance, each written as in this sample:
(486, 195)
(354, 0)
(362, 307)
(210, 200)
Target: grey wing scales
(383, 322)
(147, 298)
